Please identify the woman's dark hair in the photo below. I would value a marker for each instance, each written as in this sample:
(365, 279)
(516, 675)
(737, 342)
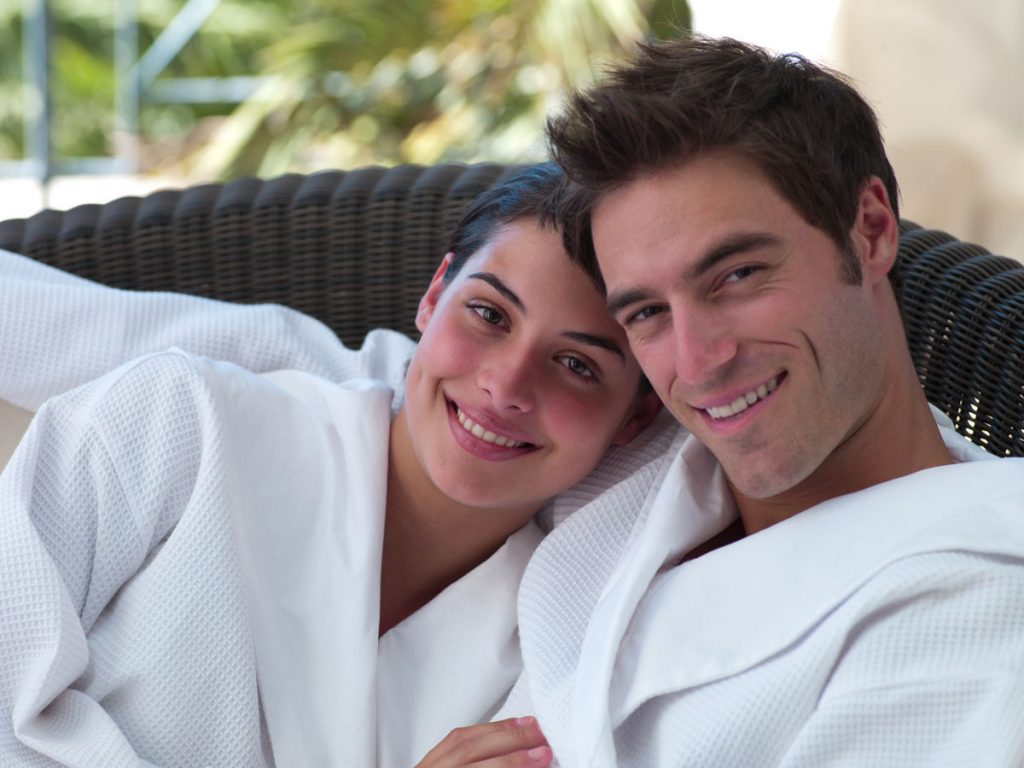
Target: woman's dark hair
(810, 131)
(539, 192)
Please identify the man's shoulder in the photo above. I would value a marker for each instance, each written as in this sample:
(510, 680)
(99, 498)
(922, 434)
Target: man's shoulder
(951, 609)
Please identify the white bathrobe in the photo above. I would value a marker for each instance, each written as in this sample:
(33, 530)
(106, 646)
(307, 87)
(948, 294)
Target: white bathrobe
(58, 331)
(189, 575)
(883, 628)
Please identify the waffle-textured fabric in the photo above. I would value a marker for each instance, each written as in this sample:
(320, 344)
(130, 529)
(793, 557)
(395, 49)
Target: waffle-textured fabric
(58, 331)
(882, 628)
(189, 575)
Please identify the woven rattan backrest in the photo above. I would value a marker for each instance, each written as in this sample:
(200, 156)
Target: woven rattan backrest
(357, 248)
(964, 313)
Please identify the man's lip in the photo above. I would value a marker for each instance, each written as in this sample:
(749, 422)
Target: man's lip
(759, 391)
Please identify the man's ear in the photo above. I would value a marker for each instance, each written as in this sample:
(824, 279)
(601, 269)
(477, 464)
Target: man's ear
(875, 233)
(645, 408)
(429, 301)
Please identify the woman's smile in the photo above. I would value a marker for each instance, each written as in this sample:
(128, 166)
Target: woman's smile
(485, 434)
(484, 443)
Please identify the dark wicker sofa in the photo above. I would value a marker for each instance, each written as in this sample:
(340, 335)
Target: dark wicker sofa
(357, 248)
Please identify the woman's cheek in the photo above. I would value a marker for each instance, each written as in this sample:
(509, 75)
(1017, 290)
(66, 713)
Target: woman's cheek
(451, 349)
(465, 354)
(580, 418)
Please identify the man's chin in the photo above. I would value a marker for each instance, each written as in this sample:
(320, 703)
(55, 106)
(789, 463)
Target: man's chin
(761, 482)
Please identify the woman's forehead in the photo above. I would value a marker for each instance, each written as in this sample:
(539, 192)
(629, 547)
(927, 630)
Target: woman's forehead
(532, 261)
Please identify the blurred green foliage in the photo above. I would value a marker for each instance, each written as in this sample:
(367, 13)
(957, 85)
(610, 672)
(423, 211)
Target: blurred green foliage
(345, 82)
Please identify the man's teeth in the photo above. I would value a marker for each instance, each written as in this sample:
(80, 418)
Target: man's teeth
(486, 435)
(743, 402)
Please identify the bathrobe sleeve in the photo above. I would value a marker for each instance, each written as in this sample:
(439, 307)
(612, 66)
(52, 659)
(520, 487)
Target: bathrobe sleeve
(90, 498)
(58, 331)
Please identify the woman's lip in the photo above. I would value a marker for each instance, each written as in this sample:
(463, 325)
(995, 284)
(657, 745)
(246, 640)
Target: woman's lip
(488, 423)
(480, 448)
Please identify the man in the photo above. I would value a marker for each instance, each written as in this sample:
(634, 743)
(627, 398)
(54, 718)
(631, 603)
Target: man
(825, 572)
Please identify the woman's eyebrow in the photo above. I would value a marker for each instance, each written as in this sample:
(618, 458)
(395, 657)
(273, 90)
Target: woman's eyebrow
(591, 339)
(495, 282)
(595, 341)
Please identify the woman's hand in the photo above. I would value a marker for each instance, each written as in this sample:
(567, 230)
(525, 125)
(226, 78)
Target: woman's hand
(513, 742)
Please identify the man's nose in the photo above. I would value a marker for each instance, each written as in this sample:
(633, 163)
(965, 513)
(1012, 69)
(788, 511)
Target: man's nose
(703, 345)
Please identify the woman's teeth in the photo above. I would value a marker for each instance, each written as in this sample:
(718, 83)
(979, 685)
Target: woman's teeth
(486, 435)
(743, 402)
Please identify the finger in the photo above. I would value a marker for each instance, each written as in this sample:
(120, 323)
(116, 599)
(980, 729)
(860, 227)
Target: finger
(537, 757)
(466, 746)
(477, 742)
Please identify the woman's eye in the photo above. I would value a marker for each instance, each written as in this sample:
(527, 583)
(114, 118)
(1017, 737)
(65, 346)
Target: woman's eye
(577, 366)
(488, 314)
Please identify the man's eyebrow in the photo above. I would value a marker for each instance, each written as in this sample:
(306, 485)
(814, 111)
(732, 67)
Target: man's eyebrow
(622, 299)
(730, 246)
(495, 282)
(595, 341)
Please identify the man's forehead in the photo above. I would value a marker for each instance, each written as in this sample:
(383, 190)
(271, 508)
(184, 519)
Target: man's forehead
(718, 194)
(713, 164)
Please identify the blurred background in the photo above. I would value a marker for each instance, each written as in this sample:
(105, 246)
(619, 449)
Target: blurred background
(116, 97)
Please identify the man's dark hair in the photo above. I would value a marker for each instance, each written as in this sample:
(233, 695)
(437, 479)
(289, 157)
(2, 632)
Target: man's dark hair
(804, 125)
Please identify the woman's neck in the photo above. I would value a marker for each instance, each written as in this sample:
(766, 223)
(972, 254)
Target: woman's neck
(430, 541)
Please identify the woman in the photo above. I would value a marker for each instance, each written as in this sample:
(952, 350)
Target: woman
(208, 566)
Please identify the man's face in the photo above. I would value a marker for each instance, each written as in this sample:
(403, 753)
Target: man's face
(737, 312)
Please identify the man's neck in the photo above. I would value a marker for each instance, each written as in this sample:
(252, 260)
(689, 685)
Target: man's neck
(898, 439)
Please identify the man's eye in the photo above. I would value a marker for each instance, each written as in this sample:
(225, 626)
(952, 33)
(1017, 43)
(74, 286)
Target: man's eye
(577, 366)
(740, 274)
(644, 313)
(487, 314)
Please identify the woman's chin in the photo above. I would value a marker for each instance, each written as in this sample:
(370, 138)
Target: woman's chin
(487, 497)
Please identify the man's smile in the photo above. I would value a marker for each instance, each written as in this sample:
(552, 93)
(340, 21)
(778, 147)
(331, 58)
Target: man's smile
(744, 401)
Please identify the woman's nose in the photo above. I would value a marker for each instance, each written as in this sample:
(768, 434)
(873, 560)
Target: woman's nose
(509, 379)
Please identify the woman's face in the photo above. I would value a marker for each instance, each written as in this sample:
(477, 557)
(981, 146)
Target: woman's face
(521, 380)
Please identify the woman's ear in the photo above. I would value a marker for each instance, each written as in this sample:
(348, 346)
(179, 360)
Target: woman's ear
(429, 301)
(645, 408)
